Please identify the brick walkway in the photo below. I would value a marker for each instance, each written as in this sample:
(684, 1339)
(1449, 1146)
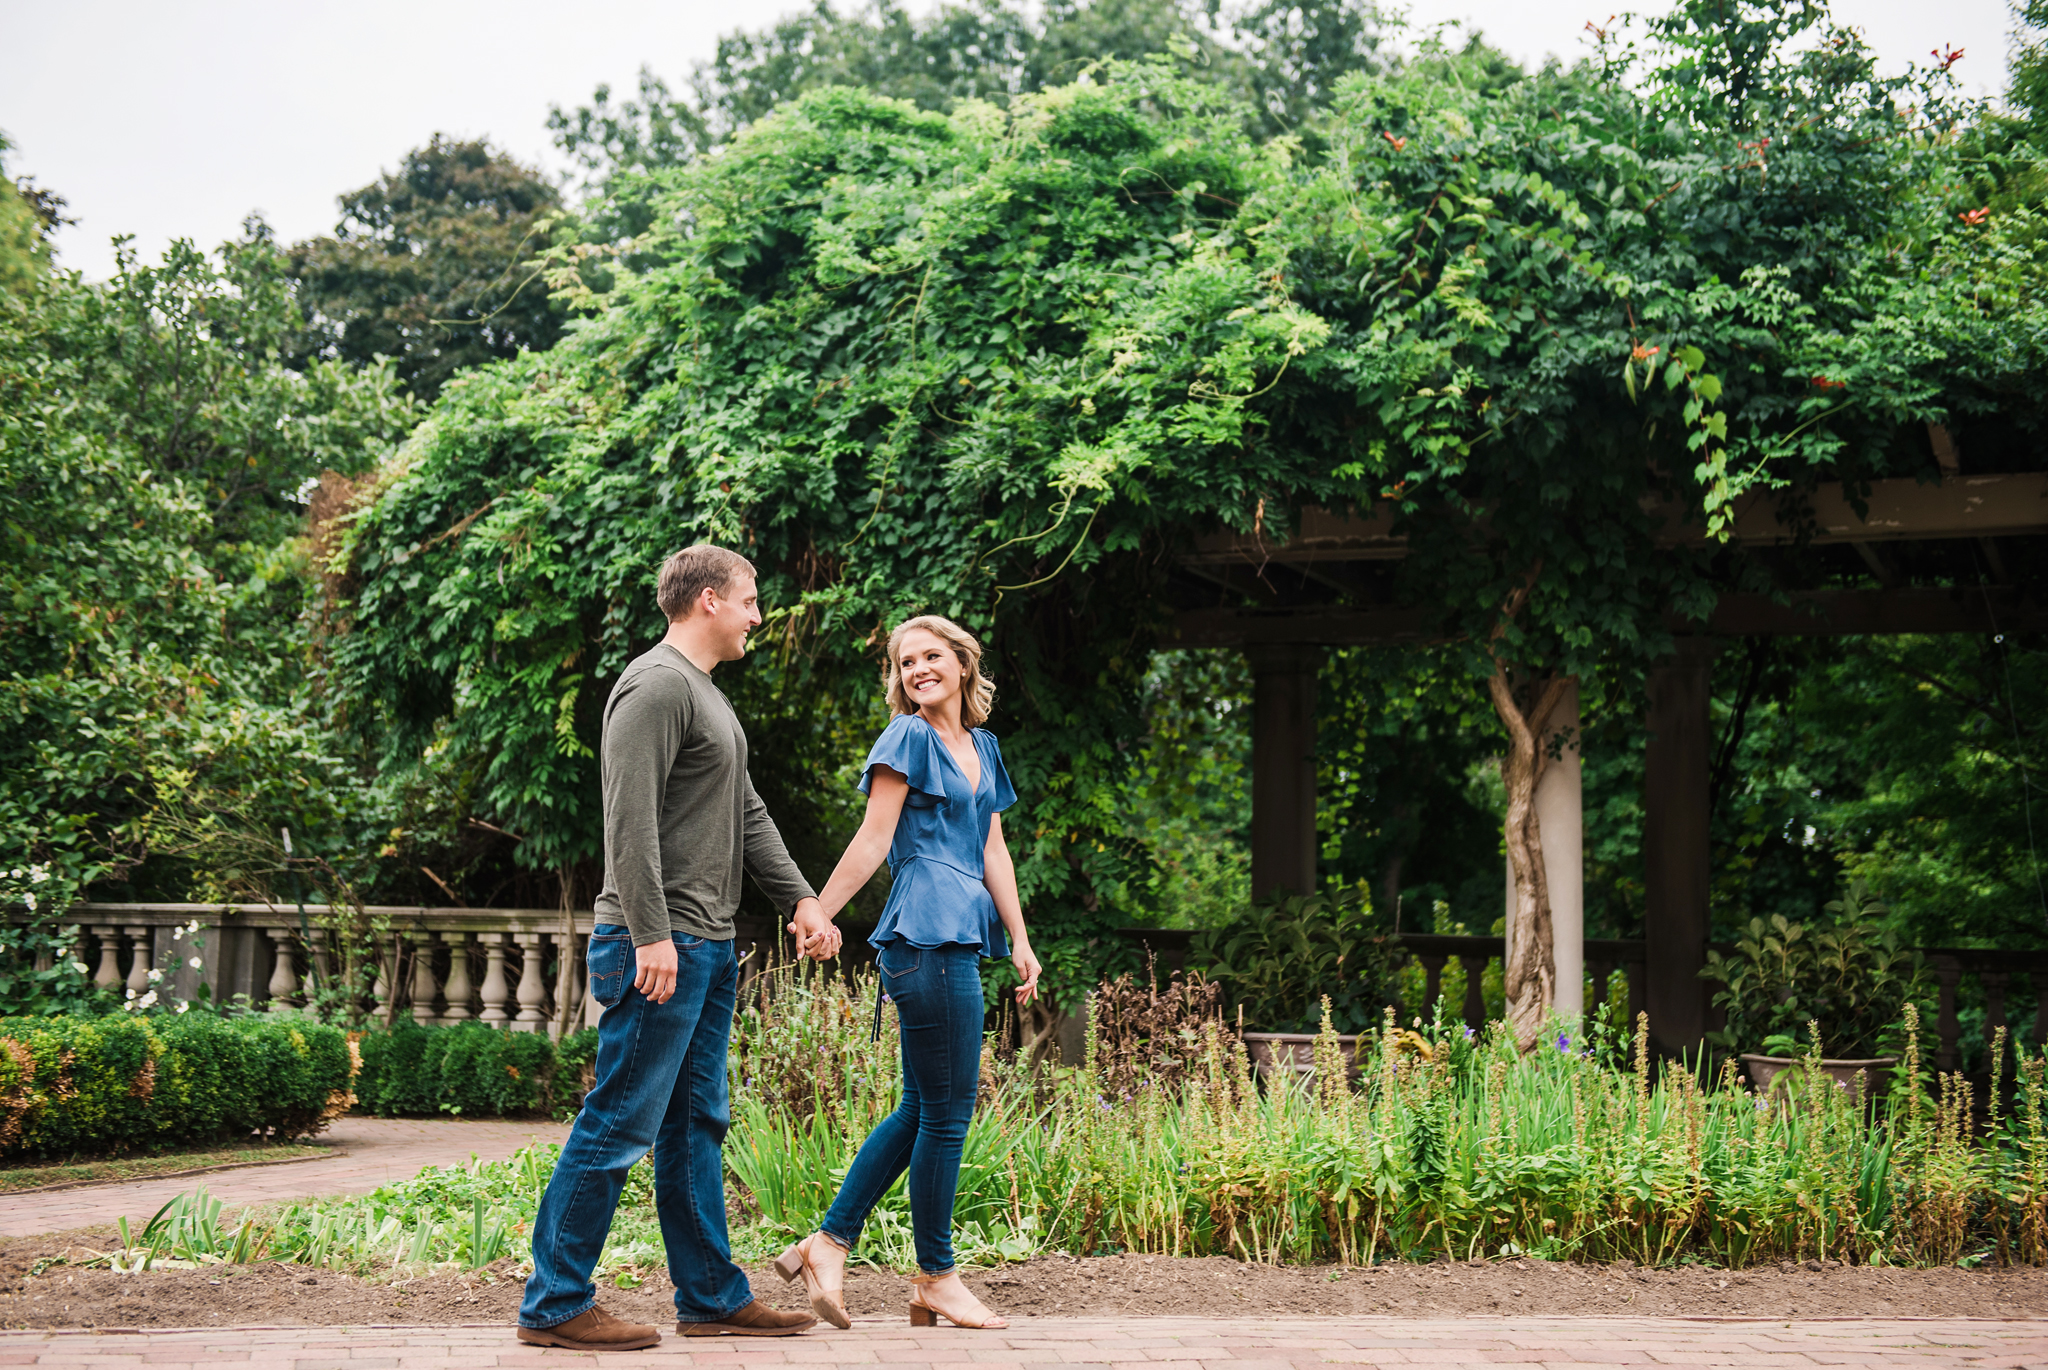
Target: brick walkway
(369, 1152)
(1190, 1343)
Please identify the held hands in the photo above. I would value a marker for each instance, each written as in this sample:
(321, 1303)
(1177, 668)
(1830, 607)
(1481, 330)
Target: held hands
(816, 935)
(1027, 971)
(655, 970)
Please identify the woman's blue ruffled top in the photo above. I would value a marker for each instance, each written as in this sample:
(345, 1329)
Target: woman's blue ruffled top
(938, 898)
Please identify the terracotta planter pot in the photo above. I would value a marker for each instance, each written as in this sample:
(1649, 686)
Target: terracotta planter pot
(1294, 1053)
(1764, 1069)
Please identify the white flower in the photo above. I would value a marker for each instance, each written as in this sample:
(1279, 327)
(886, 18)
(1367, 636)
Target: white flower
(156, 976)
(183, 1005)
(146, 1001)
(78, 966)
(194, 962)
(29, 899)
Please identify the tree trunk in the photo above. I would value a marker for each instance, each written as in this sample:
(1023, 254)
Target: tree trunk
(1531, 974)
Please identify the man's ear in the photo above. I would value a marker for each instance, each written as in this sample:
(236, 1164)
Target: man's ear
(707, 600)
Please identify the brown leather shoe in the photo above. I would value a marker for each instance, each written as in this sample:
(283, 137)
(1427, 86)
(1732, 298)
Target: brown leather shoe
(593, 1330)
(757, 1319)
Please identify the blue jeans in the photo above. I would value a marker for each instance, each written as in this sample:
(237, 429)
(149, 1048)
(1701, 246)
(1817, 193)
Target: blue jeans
(660, 1085)
(937, 993)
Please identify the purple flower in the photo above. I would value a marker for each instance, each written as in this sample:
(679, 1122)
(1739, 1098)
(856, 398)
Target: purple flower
(1564, 1042)
(1470, 1033)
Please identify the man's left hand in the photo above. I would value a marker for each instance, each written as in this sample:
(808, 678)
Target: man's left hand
(816, 935)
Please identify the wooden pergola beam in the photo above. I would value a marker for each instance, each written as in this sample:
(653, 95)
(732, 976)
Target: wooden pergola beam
(1821, 613)
(1895, 511)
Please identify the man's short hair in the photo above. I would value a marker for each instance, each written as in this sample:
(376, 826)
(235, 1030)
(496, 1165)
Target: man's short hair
(687, 574)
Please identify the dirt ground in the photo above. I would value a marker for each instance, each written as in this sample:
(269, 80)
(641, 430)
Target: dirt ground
(1054, 1286)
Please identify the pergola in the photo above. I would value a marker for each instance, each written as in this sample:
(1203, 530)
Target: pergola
(1937, 552)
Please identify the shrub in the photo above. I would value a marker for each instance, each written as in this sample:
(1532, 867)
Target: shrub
(471, 1069)
(1279, 962)
(123, 1082)
(1854, 980)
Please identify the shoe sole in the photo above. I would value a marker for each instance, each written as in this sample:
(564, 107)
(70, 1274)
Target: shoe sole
(540, 1336)
(726, 1329)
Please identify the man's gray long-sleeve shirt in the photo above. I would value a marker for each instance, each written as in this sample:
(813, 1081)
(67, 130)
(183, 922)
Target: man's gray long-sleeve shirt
(681, 819)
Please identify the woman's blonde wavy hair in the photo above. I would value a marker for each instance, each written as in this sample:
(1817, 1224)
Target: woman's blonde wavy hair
(977, 691)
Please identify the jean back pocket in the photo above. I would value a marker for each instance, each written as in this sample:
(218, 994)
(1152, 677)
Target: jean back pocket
(609, 959)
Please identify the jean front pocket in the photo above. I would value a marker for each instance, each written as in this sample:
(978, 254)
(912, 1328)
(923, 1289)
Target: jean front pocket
(610, 959)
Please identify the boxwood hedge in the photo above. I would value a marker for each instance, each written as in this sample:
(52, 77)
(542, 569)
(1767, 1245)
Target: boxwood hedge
(127, 1082)
(472, 1070)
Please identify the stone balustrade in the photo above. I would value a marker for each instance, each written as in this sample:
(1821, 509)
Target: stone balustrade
(435, 965)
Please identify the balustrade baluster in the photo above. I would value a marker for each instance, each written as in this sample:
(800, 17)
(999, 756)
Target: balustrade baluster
(565, 986)
(284, 976)
(138, 961)
(424, 984)
(533, 988)
(1475, 990)
(107, 972)
(457, 989)
(1949, 972)
(495, 991)
(1994, 982)
(1432, 984)
(386, 985)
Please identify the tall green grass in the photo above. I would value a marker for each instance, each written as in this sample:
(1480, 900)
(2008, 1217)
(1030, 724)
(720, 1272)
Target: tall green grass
(1446, 1144)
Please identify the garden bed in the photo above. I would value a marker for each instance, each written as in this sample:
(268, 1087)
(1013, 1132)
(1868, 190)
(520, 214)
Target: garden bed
(274, 1294)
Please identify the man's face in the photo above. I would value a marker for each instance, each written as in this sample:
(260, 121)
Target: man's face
(734, 614)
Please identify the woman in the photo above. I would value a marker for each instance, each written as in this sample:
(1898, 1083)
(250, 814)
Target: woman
(936, 788)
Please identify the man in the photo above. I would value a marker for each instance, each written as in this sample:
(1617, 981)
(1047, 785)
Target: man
(681, 822)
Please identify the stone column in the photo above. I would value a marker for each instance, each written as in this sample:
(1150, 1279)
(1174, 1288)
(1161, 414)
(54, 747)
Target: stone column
(1560, 813)
(533, 989)
(424, 985)
(1283, 768)
(457, 990)
(107, 973)
(495, 991)
(1677, 771)
(284, 976)
(138, 960)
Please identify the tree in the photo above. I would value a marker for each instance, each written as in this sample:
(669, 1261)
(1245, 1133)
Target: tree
(157, 644)
(1284, 59)
(27, 216)
(432, 266)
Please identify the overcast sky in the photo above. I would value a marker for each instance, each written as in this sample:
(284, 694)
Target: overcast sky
(177, 118)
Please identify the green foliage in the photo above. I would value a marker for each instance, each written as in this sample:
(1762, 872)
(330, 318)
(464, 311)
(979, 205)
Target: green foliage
(471, 1069)
(24, 232)
(1001, 364)
(1289, 962)
(125, 1081)
(432, 266)
(1852, 979)
(1282, 60)
(1188, 799)
(160, 620)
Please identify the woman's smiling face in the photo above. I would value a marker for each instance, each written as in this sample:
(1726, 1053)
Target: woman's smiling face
(930, 669)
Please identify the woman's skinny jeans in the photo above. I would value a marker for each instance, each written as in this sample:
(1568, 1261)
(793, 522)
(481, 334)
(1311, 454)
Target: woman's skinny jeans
(937, 993)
